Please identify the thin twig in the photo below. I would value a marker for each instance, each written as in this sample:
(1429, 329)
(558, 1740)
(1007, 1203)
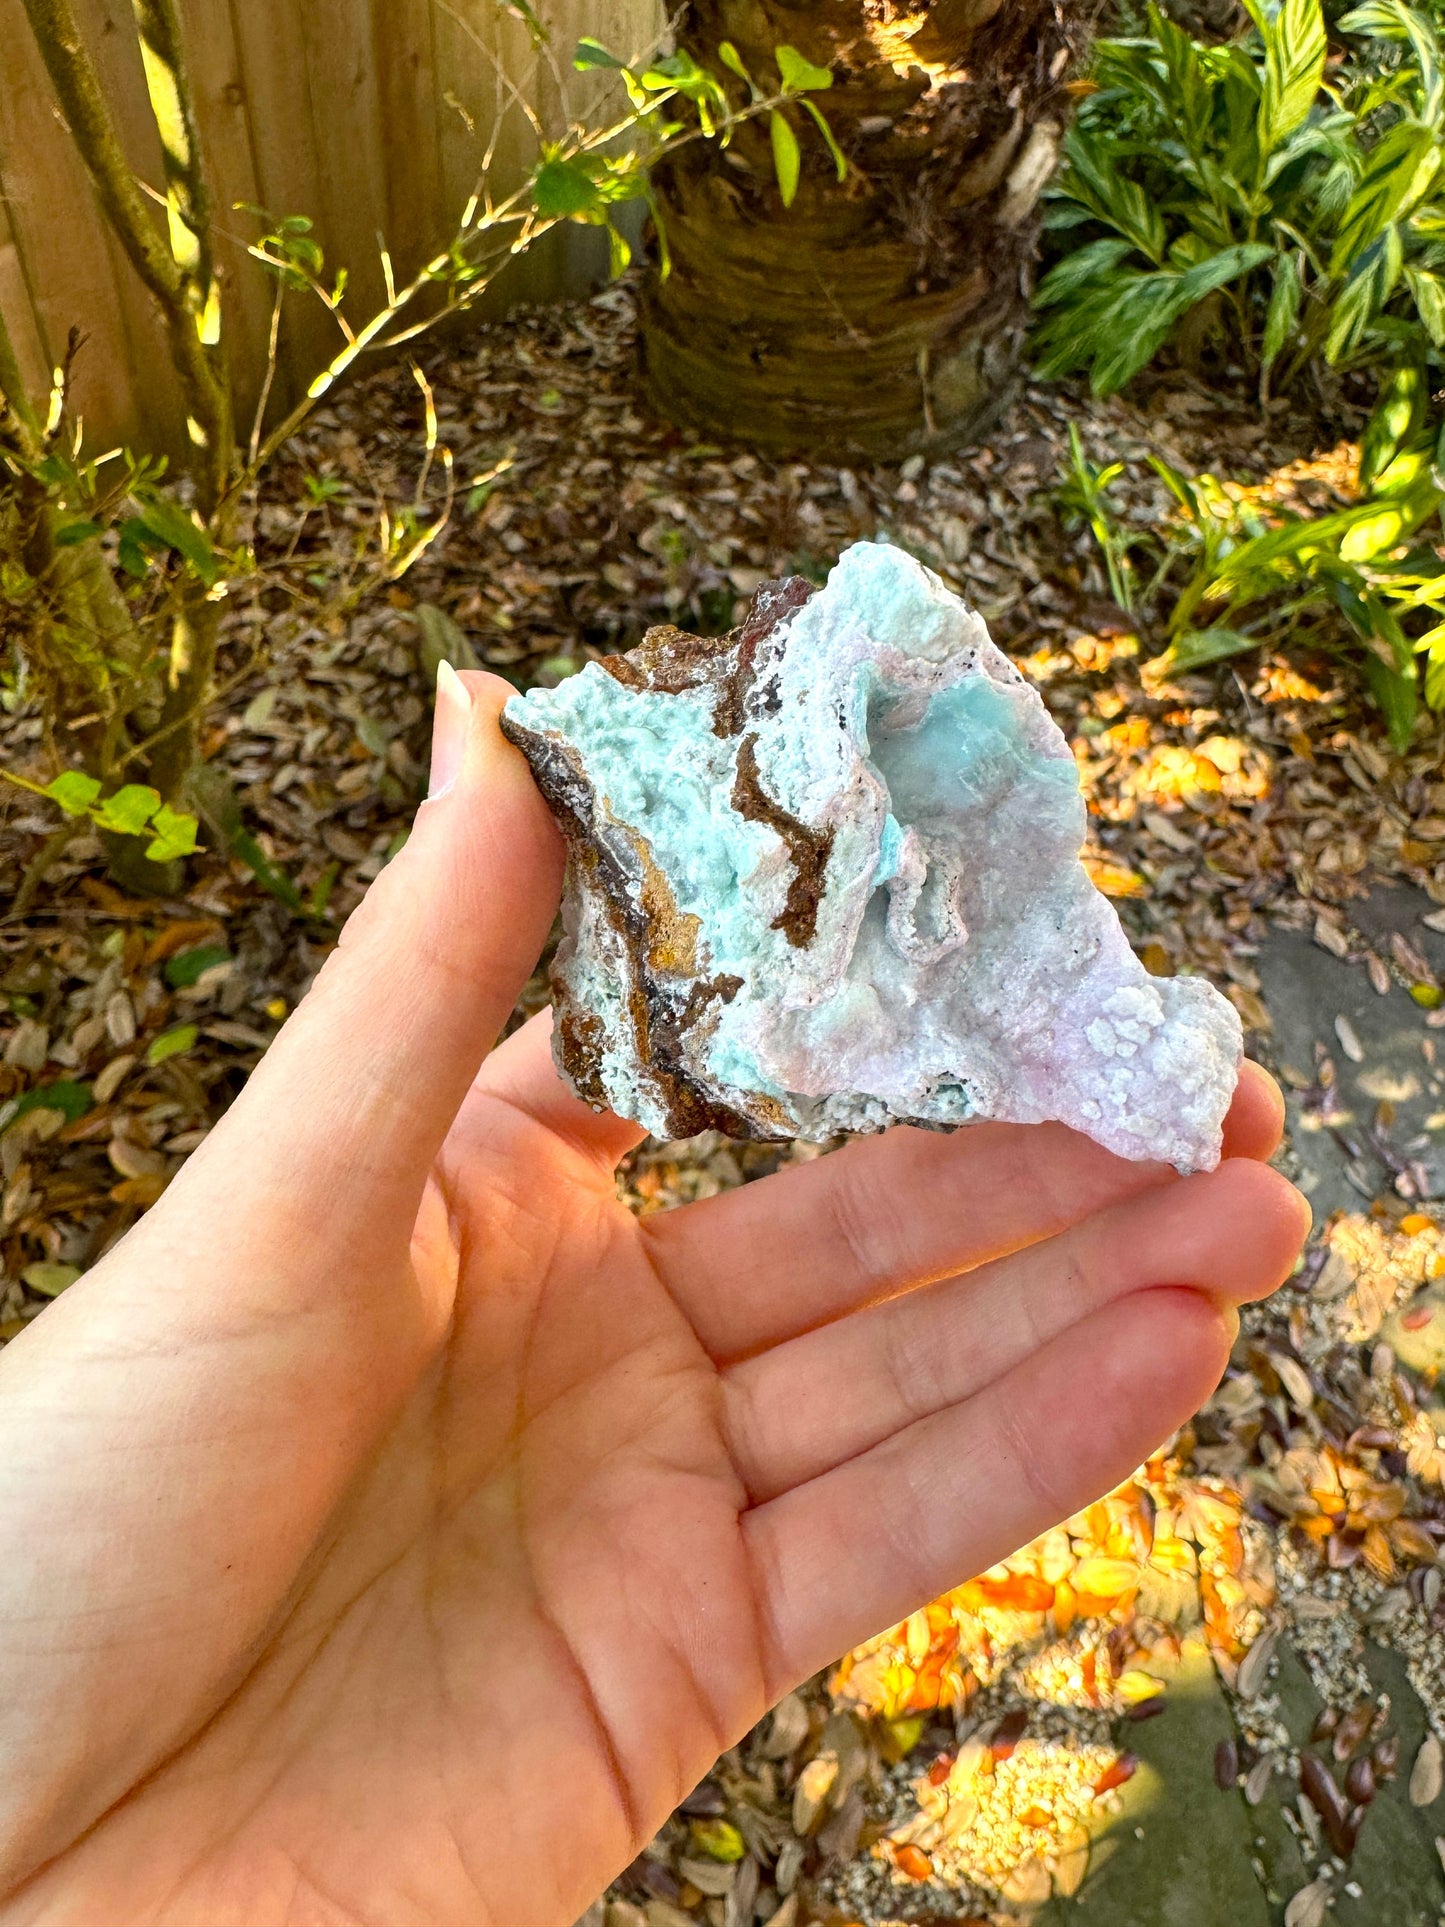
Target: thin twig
(272, 344)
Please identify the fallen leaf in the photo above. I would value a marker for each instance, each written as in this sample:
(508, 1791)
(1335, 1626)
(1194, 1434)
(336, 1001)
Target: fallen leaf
(1428, 1773)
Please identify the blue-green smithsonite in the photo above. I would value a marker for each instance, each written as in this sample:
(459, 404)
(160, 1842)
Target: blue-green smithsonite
(824, 876)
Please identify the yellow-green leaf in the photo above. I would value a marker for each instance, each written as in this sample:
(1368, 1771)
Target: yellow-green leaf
(787, 160)
(74, 791)
(129, 810)
(47, 1280)
(799, 75)
(172, 1043)
(718, 1839)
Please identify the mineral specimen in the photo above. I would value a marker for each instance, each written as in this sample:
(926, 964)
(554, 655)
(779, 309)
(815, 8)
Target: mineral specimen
(824, 876)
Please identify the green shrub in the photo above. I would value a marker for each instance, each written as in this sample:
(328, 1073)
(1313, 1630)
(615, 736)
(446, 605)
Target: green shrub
(1230, 571)
(1294, 204)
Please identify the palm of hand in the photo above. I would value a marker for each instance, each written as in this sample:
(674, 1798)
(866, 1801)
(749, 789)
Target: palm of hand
(587, 1555)
(390, 1565)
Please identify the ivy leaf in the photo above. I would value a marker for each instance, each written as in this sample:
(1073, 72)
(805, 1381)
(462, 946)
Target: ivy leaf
(129, 810)
(787, 159)
(173, 835)
(74, 791)
(171, 1043)
(799, 75)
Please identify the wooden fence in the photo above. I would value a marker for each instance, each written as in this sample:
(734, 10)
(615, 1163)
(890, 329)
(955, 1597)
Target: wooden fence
(369, 116)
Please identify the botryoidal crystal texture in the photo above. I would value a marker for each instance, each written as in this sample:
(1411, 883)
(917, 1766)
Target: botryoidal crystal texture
(824, 876)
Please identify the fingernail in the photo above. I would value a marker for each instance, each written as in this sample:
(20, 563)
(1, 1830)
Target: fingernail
(449, 731)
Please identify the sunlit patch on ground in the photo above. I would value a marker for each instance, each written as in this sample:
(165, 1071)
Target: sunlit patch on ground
(1041, 1660)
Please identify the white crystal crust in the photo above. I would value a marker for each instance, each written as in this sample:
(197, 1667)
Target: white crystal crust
(962, 964)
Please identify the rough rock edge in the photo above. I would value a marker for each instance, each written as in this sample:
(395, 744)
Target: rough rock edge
(645, 920)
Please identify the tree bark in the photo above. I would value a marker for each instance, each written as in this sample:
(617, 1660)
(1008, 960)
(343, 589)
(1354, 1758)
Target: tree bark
(882, 315)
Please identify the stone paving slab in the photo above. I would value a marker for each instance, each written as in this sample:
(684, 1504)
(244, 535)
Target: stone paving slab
(1320, 1003)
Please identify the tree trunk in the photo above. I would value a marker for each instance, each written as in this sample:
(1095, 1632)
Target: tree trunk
(882, 315)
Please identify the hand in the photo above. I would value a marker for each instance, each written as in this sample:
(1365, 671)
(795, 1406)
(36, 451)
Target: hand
(393, 1529)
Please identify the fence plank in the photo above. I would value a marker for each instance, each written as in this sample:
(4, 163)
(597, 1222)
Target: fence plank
(19, 312)
(346, 130)
(417, 213)
(108, 29)
(287, 166)
(352, 112)
(218, 81)
(62, 237)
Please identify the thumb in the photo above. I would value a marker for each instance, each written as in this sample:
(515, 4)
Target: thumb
(348, 1109)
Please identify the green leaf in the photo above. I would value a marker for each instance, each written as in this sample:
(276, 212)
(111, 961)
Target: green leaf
(47, 1280)
(266, 873)
(442, 641)
(840, 164)
(71, 534)
(1284, 305)
(1094, 262)
(169, 524)
(561, 190)
(129, 810)
(799, 75)
(172, 1043)
(1198, 646)
(1398, 173)
(187, 968)
(173, 835)
(719, 1840)
(74, 791)
(1091, 177)
(1371, 283)
(321, 891)
(728, 54)
(591, 53)
(72, 1100)
(1294, 66)
(1375, 534)
(1149, 310)
(1397, 416)
(1429, 292)
(135, 538)
(1398, 697)
(787, 159)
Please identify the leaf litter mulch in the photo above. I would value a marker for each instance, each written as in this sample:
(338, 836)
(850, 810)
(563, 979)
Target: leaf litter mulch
(1217, 1692)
